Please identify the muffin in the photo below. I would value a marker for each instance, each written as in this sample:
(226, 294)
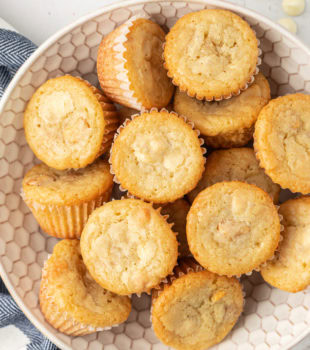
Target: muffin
(69, 123)
(232, 228)
(236, 164)
(290, 270)
(282, 143)
(211, 54)
(227, 123)
(71, 301)
(130, 65)
(62, 201)
(195, 309)
(157, 157)
(177, 212)
(128, 247)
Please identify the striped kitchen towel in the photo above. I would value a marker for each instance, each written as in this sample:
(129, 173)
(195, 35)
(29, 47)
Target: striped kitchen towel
(14, 50)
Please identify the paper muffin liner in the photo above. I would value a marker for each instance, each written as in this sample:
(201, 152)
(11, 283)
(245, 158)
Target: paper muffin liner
(223, 97)
(117, 85)
(59, 319)
(128, 120)
(185, 266)
(64, 221)
(110, 115)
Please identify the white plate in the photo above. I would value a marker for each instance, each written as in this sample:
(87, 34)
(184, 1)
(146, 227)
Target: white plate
(272, 319)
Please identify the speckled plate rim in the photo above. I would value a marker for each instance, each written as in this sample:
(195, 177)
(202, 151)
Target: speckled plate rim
(54, 38)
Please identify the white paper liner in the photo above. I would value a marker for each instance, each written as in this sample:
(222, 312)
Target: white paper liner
(127, 121)
(223, 97)
(62, 320)
(64, 221)
(124, 86)
(184, 266)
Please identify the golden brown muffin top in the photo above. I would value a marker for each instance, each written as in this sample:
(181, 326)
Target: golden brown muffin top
(211, 53)
(128, 247)
(67, 283)
(64, 123)
(235, 164)
(232, 228)
(157, 157)
(282, 142)
(197, 310)
(220, 117)
(290, 270)
(67, 187)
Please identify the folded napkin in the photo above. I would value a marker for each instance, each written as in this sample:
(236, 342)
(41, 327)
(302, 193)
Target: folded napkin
(14, 50)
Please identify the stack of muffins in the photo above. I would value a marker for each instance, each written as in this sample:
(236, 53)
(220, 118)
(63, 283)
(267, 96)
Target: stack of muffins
(186, 225)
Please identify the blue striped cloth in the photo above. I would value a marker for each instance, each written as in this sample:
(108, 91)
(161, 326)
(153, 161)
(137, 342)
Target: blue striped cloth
(14, 50)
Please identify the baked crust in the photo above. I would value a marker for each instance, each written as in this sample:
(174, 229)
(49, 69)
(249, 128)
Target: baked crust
(226, 123)
(195, 309)
(225, 230)
(290, 270)
(211, 54)
(71, 300)
(157, 157)
(69, 123)
(282, 143)
(236, 164)
(128, 247)
(62, 201)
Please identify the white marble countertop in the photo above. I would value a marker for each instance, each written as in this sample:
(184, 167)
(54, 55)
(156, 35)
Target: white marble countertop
(39, 19)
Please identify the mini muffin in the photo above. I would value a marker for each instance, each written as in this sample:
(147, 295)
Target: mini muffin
(282, 142)
(227, 123)
(195, 309)
(177, 212)
(71, 301)
(128, 247)
(157, 157)
(130, 65)
(236, 164)
(290, 270)
(62, 201)
(69, 123)
(211, 54)
(232, 228)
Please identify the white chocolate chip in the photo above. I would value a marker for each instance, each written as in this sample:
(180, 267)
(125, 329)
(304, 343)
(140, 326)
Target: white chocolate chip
(288, 24)
(172, 161)
(293, 7)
